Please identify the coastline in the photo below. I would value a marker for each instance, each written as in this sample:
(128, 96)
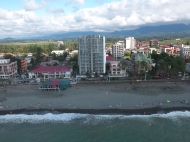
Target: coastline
(144, 111)
(99, 98)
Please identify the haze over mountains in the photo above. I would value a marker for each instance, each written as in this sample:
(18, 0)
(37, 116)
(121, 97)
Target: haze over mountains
(174, 30)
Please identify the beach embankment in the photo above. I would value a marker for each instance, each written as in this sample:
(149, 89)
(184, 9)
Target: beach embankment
(98, 98)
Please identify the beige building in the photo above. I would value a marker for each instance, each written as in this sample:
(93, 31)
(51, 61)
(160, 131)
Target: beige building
(116, 69)
(7, 68)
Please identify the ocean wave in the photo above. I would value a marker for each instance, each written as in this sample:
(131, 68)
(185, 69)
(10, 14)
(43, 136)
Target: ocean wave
(86, 118)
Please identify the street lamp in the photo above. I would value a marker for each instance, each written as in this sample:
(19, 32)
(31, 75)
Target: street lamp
(145, 75)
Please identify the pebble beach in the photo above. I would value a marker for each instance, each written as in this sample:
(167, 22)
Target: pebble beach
(98, 97)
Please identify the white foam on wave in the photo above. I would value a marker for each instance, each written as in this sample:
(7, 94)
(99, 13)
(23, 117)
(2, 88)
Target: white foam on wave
(49, 117)
(67, 117)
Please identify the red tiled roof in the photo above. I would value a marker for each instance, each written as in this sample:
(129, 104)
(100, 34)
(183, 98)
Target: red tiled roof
(109, 58)
(52, 69)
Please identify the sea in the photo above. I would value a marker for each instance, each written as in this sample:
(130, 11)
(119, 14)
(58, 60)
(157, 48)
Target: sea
(74, 127)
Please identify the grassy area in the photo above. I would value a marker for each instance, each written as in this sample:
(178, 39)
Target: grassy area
(174, 41)
(28, 42)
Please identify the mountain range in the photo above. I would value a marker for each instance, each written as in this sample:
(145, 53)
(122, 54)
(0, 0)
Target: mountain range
(175, 30)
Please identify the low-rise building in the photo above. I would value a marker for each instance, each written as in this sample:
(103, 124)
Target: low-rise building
(170, 50)
(57, 52)
(7, 69)
(50, 72)
(116, 69)
(137, 58)
(74, 52)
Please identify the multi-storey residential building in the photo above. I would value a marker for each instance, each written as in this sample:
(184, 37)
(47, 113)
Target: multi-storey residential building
(154, 42)
(185, 51)
(130, 43)
(23, 65)
(116, 69)
(7, 68)
(118, 50)
(91, 54)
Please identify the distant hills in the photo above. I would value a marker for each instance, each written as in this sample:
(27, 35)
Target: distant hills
(173, 30)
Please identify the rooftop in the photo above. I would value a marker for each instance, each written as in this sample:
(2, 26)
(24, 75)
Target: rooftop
(52, 69)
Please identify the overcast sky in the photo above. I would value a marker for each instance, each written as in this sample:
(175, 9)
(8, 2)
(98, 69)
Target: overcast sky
(23, 18)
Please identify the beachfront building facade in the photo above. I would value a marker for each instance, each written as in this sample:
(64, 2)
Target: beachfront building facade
(116, 69)
(51, 72)
(141, 63)
(118, 50)
(7, 69)
(91, 54)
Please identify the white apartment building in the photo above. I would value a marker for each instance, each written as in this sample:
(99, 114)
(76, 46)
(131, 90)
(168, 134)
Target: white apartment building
(129, 43)
(91, 54)
(118, 50)
(7, 68)
(185, 51)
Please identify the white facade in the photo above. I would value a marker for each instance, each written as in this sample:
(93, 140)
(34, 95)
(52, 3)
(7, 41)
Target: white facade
(73, 52)
(130, 43)
(51, 72)
(59, 43)
(118, 50)
(185, 51)
(57, 52)
(7, 69)
(50, 75)
(28, 60)
(91, 54)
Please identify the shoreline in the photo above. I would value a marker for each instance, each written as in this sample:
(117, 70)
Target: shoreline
(143, 111)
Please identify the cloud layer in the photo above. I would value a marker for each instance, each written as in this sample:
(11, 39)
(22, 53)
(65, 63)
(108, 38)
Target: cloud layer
(126, 14)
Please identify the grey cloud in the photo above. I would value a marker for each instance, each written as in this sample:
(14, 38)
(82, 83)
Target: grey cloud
(107, 17)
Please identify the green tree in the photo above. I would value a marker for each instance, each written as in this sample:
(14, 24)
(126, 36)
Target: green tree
(144, 65)
(32, 62)
(38, 55)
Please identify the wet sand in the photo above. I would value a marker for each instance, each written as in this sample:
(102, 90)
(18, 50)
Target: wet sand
(98, 97)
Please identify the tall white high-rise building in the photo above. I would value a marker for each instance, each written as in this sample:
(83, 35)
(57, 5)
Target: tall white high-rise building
(118, 50)
(130, 43)
(91, 54)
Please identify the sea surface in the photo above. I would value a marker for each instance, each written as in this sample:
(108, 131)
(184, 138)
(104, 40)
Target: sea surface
(72, 127)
